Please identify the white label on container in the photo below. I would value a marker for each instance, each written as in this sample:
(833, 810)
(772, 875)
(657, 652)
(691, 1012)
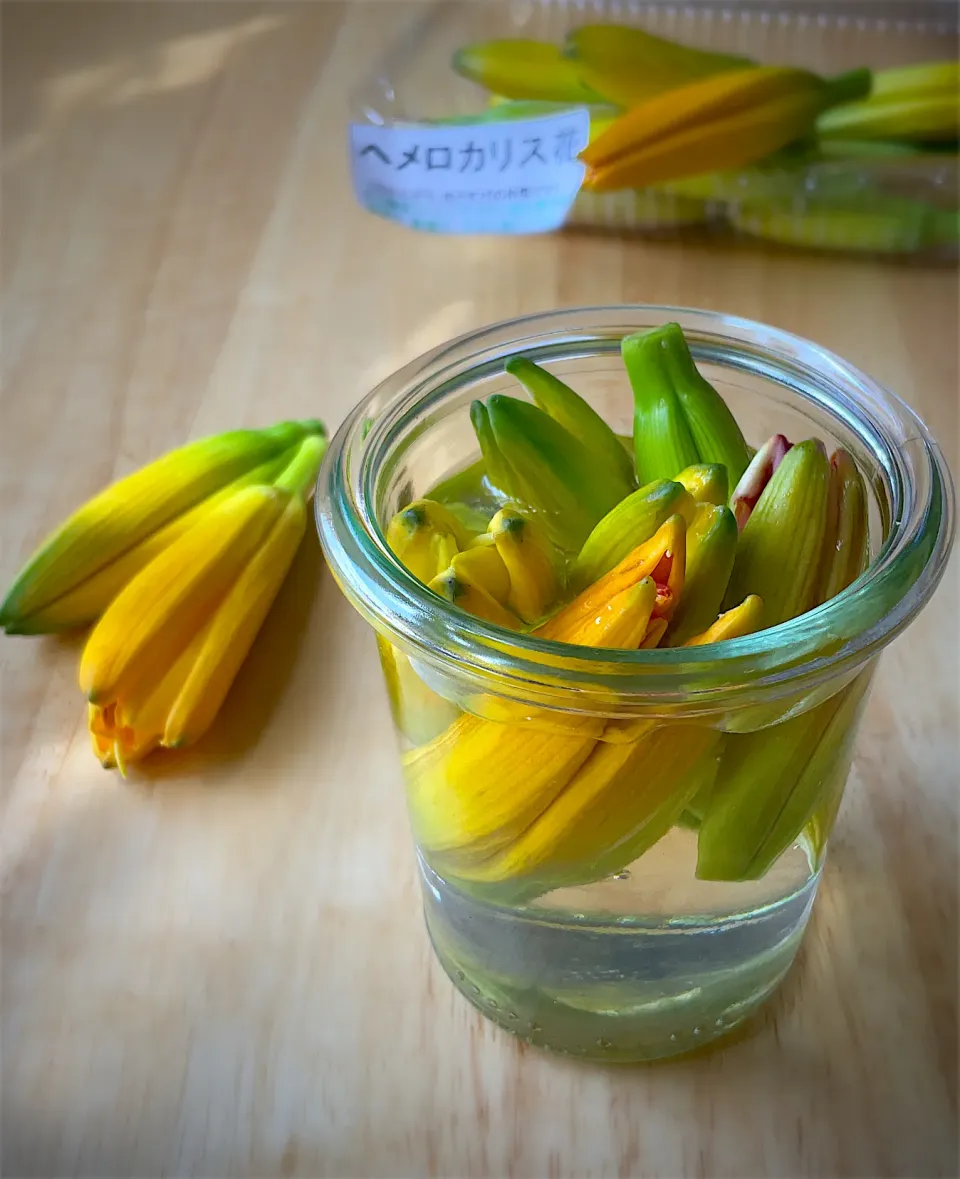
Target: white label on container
(509, 176)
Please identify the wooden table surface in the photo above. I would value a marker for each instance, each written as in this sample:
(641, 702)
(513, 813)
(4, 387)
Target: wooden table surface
(220, 968)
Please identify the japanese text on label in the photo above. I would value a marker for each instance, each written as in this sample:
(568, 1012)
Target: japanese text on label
(516, 176)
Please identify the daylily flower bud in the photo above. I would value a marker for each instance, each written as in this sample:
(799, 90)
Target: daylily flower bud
(633, 521)
(426, 536)
(482, 565)
(662, 558)
(575, 415)
(734, 624)
(460, 590)
(478, 785)
(779, 551)
(550, 471)
(680, 420)
(711, 549)
(161, 660)
(845, 549)
(533, 564)
(771, 782)
(618, 803)
(706, 482)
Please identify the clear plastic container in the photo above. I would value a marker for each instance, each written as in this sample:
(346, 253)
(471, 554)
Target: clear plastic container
(608, 941)
(878, 206)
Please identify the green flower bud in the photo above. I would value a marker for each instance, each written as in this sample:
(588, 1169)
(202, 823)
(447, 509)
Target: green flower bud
(711, 549)
(633, 521)
(779, 552)
(574, 414)
(679, 418)
(708, 483)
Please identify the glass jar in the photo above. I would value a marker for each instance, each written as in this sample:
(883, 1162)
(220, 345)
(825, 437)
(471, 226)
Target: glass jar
(560, 796)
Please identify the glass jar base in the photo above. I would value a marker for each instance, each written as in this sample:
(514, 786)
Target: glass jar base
(613, 988)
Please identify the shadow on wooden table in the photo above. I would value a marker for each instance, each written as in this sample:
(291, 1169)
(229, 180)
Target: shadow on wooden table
(60, 64)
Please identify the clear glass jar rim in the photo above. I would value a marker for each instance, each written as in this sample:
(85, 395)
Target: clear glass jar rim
(825, 643)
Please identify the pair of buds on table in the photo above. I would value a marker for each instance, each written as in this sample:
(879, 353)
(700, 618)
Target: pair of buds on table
(176, 567)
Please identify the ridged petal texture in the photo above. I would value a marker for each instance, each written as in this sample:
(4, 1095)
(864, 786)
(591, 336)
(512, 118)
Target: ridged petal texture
(634, 520)
(564, 483)
(572, 412)
(781, 543)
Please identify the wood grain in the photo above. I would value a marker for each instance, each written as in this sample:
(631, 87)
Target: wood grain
(221, 969)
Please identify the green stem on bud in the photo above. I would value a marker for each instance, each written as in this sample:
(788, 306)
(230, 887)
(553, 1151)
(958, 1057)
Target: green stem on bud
(299, 477)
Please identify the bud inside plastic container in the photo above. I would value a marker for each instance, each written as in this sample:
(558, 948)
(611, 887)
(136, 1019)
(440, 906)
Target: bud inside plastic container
(628, 635)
